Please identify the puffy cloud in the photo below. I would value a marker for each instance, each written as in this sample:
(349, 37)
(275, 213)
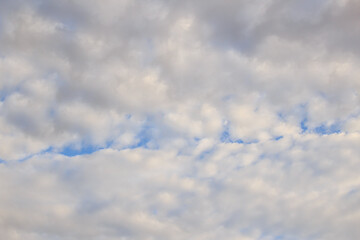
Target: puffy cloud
(179, 120)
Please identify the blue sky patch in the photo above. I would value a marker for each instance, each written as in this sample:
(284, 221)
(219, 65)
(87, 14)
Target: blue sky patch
(278, 138)
(303, 125)
(327, 130)
(146, 138)
(225, 138)
(72, 150)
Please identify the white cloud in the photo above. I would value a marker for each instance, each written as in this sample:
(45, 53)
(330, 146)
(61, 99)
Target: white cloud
(179, 120)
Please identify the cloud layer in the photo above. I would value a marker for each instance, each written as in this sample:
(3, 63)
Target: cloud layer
(153, 119)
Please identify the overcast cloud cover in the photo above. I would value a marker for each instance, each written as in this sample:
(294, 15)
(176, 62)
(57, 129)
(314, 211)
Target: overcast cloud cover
(174, 120)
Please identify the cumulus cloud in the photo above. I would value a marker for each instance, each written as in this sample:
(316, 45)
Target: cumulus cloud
(179, 119)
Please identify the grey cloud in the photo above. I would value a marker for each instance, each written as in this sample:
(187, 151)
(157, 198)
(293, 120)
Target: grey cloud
(136, 193)
(190, 119)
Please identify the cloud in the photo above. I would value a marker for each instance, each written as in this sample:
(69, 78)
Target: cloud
(179, 120)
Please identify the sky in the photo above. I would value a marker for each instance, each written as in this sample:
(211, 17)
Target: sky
(175, 120)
